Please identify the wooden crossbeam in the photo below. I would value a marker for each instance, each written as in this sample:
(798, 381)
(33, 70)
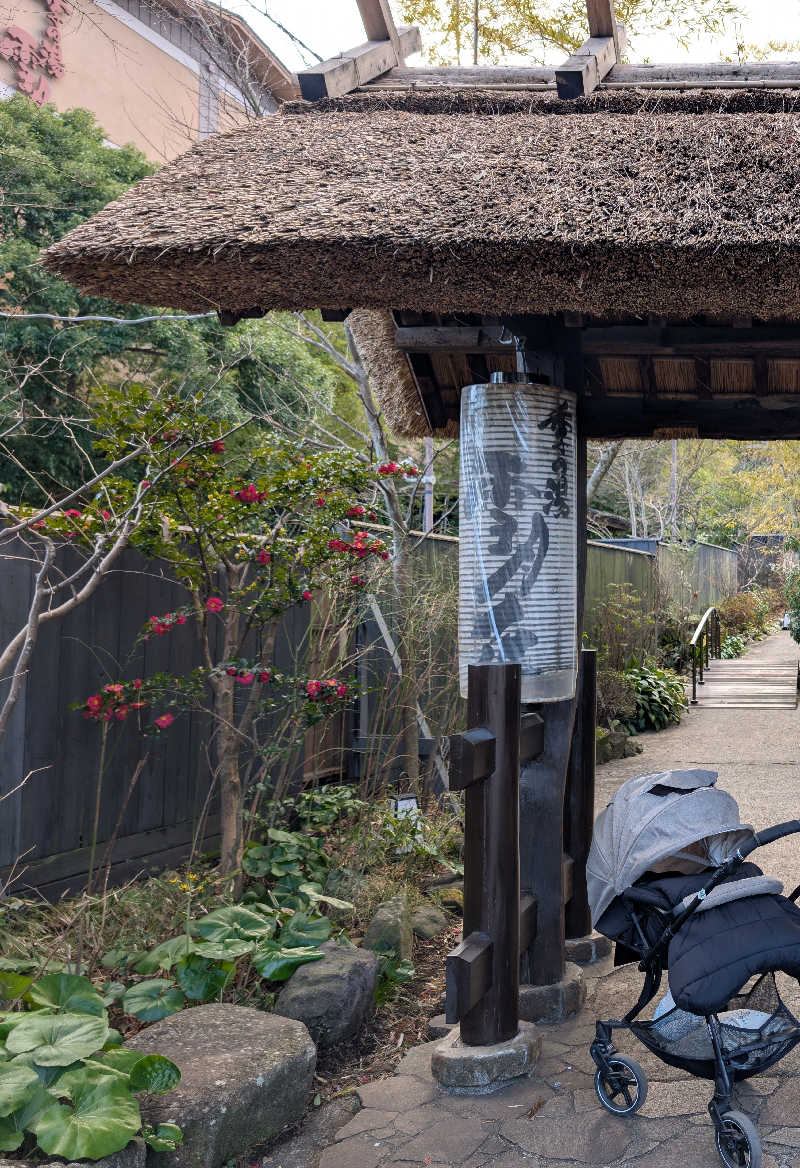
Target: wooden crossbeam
(472, 757)
(717, 75)
(531, 737)
(468, 975)
(342, 74)
(379, 23)
(528, 912)
(454, 339)
(581, 73)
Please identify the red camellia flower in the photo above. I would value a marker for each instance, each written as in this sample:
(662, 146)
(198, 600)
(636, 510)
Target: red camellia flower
(72, 513)
(249, 494)
(321, 501)
(218, 447)
(180, 619)
(264, 557)
(232, 671)
(213, 604)
(121, 714)
(341, 690)
(389, 468)
(137, 683)
(94, 702)
(306, 594)
(265, 675)
(314, 689)
(355, 512)
(245, 678)
(164, 721)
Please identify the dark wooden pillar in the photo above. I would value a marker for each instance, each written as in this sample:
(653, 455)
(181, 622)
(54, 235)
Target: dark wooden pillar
(579, 802)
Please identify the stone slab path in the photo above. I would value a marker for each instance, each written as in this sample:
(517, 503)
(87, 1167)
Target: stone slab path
(554, 1117)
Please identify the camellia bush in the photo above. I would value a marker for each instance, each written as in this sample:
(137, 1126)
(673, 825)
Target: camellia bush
(251, 526)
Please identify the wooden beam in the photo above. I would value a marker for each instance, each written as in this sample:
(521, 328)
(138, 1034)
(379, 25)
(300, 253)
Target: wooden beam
(750, 74)
(343, 74)
(581, 73)
(527, 921)
(468, 975)
(602, 22)
(726, 416)
(531, 737)
(379, 23)
(472, 757)
(454, 339)
(688, 340)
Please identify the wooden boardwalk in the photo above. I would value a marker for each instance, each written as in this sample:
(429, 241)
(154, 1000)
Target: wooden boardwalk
(749, 684)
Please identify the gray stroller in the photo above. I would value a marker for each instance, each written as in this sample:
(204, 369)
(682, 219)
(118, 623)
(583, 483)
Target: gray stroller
(668, 881)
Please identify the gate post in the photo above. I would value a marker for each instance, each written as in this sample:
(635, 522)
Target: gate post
(491, 1045)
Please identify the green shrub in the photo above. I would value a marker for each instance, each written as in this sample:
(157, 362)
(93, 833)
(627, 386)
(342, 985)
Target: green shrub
(659, 694)
(744, 614)
(67, 1086)
(732, 646)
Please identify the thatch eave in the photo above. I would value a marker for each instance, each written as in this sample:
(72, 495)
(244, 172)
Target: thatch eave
(468, 202)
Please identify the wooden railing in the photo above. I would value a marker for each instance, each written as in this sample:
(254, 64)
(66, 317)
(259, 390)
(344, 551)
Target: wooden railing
(705, 645)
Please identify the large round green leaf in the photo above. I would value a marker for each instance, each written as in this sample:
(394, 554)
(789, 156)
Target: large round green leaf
(202, 980)
(101, 1118)
(155, 1074)
(301, 930)
(165, 955)
(276, 963)
(15, 1086)
(224, 950)
(13, 1127)
(67, 993)
(233, 923)
(56, 1040)
(149, 1001)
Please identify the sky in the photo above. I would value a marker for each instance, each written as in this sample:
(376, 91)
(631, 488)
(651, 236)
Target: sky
(330, 27)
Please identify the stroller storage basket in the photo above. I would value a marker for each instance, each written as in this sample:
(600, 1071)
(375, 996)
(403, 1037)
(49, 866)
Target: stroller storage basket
(757, 1029)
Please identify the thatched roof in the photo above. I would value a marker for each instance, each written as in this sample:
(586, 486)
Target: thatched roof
(469, 201)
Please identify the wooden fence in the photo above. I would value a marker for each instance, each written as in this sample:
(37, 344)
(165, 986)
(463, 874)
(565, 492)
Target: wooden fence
(46, 827)
(47, 824)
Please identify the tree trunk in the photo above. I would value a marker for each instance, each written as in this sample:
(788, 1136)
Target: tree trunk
(230, 785)
(604, 464)
(407, 696)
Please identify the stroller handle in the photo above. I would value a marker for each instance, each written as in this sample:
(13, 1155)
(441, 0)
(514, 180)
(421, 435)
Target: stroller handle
(769, 835)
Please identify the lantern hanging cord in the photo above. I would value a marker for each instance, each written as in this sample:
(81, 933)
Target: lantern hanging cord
(101, 319)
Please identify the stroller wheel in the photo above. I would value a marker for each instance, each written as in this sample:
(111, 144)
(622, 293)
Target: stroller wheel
(738, 1141)
(622, 1088)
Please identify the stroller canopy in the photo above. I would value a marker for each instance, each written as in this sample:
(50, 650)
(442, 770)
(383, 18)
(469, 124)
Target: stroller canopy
(674, 821)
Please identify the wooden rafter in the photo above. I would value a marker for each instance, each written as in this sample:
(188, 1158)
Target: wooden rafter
(719, 75)
(584, 70)
(386, 48)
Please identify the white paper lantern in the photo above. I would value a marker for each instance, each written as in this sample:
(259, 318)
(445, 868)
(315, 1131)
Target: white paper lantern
(518, 547)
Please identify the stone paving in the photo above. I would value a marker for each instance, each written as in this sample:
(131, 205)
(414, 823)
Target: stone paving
(554, 1117)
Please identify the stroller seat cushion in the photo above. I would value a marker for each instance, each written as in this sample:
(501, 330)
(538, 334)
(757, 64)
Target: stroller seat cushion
(717, 951)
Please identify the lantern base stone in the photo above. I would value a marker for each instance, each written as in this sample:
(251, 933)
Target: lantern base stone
(553, 1003)
(588, 950)
(479, 1070)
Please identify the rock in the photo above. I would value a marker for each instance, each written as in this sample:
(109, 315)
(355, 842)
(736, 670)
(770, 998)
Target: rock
(390, 928)
(633, 747)
(453, 899)
(553, 1003)
(428, 921)
(245, 1076)
(133, 1155)
(612, 744)
(345, 883)
(332, 996)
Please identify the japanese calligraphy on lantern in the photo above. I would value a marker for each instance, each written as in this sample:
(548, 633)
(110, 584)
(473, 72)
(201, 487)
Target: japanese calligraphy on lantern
(517, 535)
(37, 61)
